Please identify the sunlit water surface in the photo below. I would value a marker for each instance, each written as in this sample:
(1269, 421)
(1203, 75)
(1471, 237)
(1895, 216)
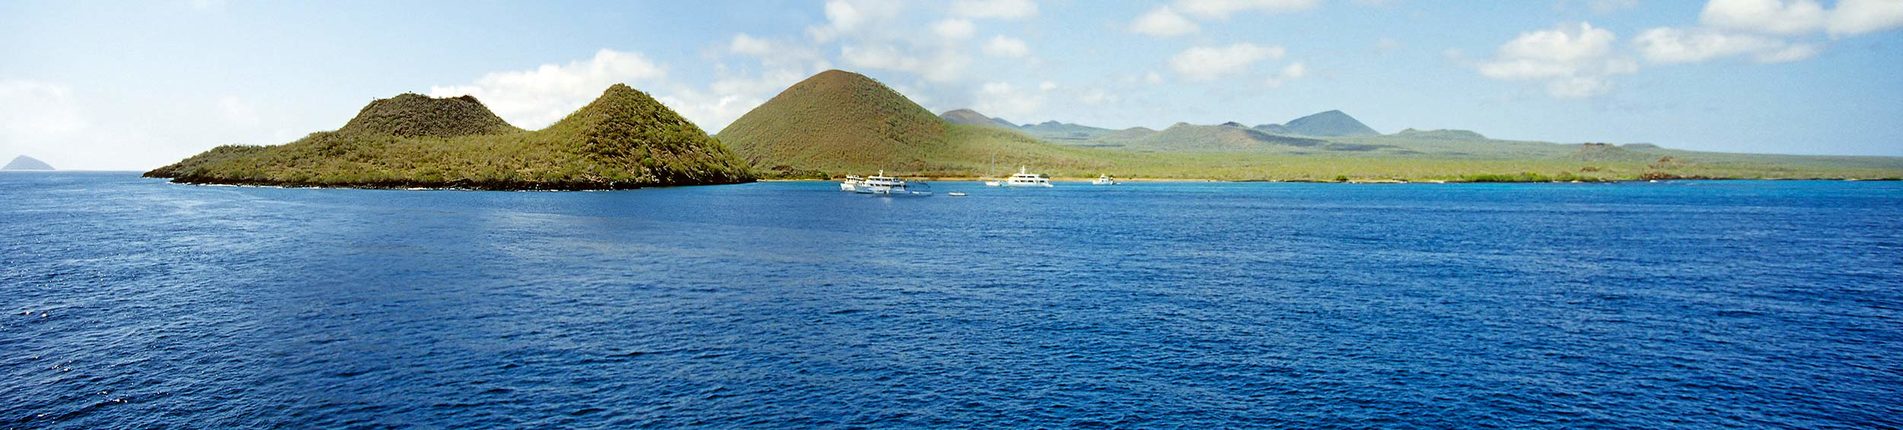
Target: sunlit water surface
(135, 303)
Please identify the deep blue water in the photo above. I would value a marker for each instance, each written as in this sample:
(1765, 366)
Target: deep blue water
(135, 303)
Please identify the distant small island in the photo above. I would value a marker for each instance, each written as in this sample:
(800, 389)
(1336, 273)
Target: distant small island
(624, 139)
(25, 163)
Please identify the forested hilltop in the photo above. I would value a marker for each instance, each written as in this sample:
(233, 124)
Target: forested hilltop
(624, 139)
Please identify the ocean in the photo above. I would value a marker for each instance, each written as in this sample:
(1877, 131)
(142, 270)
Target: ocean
(134, 303)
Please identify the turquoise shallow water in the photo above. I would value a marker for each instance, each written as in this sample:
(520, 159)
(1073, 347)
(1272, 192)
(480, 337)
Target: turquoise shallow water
(135, 303)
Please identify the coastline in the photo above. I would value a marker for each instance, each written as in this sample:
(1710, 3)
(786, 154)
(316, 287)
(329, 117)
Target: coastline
(1374, 181)
(461, 185)
(618, 186)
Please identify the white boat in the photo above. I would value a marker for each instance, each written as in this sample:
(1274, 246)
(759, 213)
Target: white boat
(993, 183)
(1104, 180)
(852, 183)
(1025, 178)
(883, 185)
(955, 194)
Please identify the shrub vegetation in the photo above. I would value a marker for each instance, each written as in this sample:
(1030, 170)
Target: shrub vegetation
(624, 139)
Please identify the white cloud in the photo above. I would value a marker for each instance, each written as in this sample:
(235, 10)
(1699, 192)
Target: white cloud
(1004, 100)
(1002, 9)
(943, 66)
(1289, 73)
(1576, 87)
(1767, 16)
(1163, 21)
(1574, 60)
(1047, 86)
(1865, 16)
(237, 112)
(1386, 45)
(1153, 78)
(1797, 17)
(1671, 45)
(1603, 7)
(1793, 52)
(1208, 63)
(881, 34)
(749, 45)
(1002, 46)
(851, 17)
(54, 123)
(1221, 9)
(954, 29)
(1097, 97)
(844, 15)
(1762, 30)
(712, 110)
(1170, 20)
(538, 97)
(34, 111)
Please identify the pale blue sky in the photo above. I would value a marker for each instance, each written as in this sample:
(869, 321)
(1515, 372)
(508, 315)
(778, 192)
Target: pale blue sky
(133, 85)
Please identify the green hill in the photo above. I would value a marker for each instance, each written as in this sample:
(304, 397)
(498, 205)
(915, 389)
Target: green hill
(412, 115)
(1441, 134)
(1185, 137)
(972, 117)
(26, 163)
(835, 120)
(1273, 129)
(624, 139)
(1328, 124)
(1059, 131)
(837, 123)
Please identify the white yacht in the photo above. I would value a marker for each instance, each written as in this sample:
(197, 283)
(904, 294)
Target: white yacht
(1025, 178)
(852, 183)
(883, 185)
(1104, 180)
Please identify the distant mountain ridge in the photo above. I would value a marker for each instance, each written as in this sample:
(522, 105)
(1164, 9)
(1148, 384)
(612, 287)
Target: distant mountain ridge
(27, 163)
(1441, 134)
(1186, 137)
(1049, 130)
(1332, 123)
(971, 117)
(1304, 132)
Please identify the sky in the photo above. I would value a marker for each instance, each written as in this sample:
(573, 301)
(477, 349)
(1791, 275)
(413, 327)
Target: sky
(126, 85)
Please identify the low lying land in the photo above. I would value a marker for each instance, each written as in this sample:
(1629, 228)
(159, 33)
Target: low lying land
(972, 154)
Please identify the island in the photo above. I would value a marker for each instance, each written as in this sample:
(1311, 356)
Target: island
(839, 123)
(25, 163)
(622, 140)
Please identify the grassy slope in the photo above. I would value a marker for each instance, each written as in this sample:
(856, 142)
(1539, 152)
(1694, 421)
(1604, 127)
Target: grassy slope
(623, 139)
(1223, 156)
(838, 123)
(969, 149)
